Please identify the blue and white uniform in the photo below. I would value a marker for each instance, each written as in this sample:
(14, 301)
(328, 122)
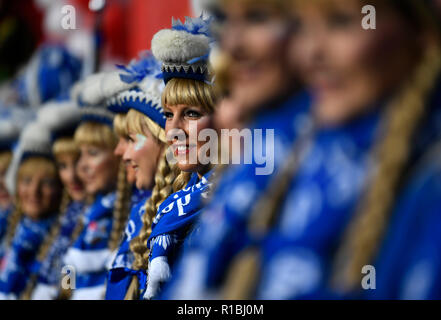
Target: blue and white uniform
(20, 257)
(174, 220)
(4, 216)
(121, 272)
(50, 269)
(89, 254)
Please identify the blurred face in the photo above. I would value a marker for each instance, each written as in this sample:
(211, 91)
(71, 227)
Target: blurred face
(142, 154)
(255, 38)
(38, 193)
(120, 149)
(97, 169)
(179, 120)
(346, 67)
(66, 164)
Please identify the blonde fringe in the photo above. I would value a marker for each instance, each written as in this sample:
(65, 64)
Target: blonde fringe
(365, 232)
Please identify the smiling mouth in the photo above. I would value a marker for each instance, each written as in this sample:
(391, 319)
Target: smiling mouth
(182, 150)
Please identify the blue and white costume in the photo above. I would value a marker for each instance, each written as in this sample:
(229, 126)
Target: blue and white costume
(174, 220)
(17, 265)
(4, 215)
(50, 269)
(49, 75)
(19, 259)
(121, 272)
(89, 253)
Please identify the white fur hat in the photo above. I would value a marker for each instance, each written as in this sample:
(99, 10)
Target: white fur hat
(60, 118)
(35, 140)
(184, 49)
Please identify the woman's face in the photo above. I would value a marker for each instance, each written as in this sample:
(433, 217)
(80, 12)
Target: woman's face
(120, 149)
(142, 155)
(181, 120)
(347, 67)
(66, 164)
(255, 38)
(38, 193)
(97, 169)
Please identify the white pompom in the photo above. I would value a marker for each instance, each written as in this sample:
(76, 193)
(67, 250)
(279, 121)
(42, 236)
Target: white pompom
(179, 46)
(158, 272)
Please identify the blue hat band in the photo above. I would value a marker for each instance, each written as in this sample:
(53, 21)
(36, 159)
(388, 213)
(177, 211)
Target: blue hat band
(184, 75)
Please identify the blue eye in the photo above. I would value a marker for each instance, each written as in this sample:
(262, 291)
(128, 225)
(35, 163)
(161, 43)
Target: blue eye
(193, 114)
(168, 115)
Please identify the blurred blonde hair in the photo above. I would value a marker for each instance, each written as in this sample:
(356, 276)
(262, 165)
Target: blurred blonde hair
(96, 134)
(120, 125)
(5, 160)
(137, 122)
(65, 145)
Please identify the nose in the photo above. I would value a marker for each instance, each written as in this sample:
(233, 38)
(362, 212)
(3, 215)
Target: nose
(315, 45)
(127, 156)
(232, 39)
(175, 130)
(120, 148)
(81, 166)
(35, 189)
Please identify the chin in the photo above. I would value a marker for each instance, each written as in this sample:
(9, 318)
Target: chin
(78, 196)
(187, 167)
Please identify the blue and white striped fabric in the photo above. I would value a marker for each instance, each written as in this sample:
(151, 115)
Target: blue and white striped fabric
(17, 264)
(120, 273)
(50, 270)
(175, 218)
(4, 216)
(89, 254)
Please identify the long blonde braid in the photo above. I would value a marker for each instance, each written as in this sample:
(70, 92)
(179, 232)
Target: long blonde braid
(402, 118)
(13, 220)
(165, 185)
(122, 208)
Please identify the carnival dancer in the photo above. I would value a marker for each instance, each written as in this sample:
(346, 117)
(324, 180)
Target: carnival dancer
(61, 119)
(33, 179)
(9, 134)
(98, 169)
(144, 124)
(176, 201)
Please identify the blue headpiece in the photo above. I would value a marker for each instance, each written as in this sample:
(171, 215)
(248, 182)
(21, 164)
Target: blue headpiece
(51, 72)
(184, 49)
(145, 96)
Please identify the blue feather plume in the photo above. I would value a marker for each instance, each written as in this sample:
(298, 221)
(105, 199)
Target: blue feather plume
(194, 26)
(138, 70)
